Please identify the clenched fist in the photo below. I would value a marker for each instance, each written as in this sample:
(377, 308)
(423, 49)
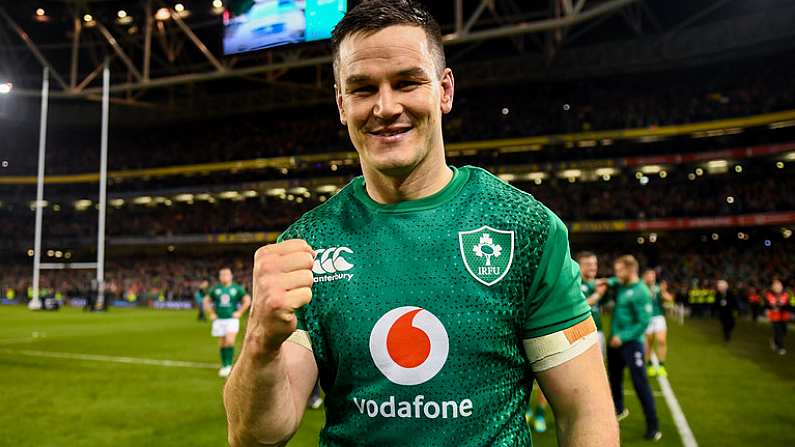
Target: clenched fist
(282, 283)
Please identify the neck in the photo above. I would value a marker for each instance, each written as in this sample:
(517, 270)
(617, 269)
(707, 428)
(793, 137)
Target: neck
(426, 179)
(632, 279)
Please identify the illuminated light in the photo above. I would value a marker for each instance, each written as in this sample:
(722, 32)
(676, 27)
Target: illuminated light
(40, 12)
(730, 200)
(211, 200)
(638, 175)
(572, 179)
(644, 180)
(653, 238)
(651, 169)
(228, 195)
(650, 139)
(781, 124)
(218, 4)
(67, 255)
(322, 199)
(56, 207)
(607, 142)
(83, 204)
(538, 181)
(250, 193)
(641, 240)
(87, 18)
(505, 111)
(276, 192)
(283, 196)
(715, 236)
(299, 200)
(299, 190)
(663, 174)
(571, 173)
(5, 163)
(143, 200)
(121, 14)
(184, 197)
(586, 143)
(160, 199)
(204, 196)
(691, 176)
(786, 232)
(606, 177)
(508, 177)
(163, 14)
(768, 243)
(50, 253)
(168, 202)
(536, 175)
(30, 252)
(179, 7)
(117, 203)
(307, 194)
(290, 197)
(171, 248)
(780, 165)
(326, 189)
(5, 88)
(58, 254)
(566, 107)
(699, 171)
(717, 164)
(605, 171)
(738, 169)
(334, 167)
(284, 171)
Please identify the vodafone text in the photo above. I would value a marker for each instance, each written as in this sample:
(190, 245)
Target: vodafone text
(416, 409)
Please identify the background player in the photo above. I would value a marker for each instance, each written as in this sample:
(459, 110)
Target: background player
(656, 334)
(593, 291)
(225, 303)
(199, 297)
(778, 314)
(631, 316)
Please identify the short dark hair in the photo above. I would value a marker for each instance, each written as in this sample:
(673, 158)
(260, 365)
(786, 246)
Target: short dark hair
(585, 254)
(371, 16)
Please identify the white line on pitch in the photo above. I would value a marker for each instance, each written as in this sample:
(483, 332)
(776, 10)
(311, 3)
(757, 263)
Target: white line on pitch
(676, 411)
(112, 359)
(9, 341)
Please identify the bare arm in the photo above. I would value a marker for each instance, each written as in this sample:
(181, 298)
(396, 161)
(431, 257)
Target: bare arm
(266, 395)
(267, 391)
(245, 303)
(580, 398)
(208, 308)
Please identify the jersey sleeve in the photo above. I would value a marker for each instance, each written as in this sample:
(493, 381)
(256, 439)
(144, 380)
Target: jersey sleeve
(641, 307)
(555, 300)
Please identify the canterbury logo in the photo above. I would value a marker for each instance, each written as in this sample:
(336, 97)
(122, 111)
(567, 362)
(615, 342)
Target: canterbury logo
(330, 260)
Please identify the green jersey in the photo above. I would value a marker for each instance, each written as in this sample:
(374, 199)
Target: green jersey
(632, 313)
(420, 309)
(656, 301)
(226, 298)
(588, 288)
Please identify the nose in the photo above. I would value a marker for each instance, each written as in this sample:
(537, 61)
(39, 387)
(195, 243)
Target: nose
(387, 106)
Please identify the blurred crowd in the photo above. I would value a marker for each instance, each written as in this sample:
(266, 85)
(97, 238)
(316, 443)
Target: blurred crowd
(623, 197)
(480, 113)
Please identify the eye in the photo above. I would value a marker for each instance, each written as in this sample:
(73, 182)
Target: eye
(363, 90)
(407, 85)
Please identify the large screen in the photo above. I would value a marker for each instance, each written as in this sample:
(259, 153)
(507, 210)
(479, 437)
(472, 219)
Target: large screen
(251, 25)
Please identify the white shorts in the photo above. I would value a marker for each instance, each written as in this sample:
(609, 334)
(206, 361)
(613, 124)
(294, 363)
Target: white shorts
(223, 326)
(657, 324)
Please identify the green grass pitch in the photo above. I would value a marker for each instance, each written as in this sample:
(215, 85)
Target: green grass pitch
(739, 394)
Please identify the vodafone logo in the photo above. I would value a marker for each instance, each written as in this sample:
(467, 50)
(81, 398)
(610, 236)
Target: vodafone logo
(409, 345)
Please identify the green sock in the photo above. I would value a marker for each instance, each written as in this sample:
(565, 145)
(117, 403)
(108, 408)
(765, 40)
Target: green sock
(227, 355)
(661, 363)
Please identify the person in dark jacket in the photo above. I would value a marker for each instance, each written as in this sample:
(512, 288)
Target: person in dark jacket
(725, 307)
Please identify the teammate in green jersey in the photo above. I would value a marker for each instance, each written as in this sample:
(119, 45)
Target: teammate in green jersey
(427, 299)
(631, 316)
(225, 303)
(656, 333)
(593, 291)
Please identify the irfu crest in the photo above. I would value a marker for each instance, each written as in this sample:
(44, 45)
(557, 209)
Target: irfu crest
(487, 253)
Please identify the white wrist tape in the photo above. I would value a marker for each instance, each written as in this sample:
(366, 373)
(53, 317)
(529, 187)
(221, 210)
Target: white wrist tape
(300, 338)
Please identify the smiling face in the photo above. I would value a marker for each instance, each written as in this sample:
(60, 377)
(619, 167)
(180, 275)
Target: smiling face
(588, 267)
(391, 96)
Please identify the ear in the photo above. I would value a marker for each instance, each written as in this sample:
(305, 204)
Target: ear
(448, 89)
(340, 106)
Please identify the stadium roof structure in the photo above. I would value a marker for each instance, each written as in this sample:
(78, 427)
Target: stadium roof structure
(156, 44)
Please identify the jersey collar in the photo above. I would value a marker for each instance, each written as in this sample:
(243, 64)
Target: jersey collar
(460, 177)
